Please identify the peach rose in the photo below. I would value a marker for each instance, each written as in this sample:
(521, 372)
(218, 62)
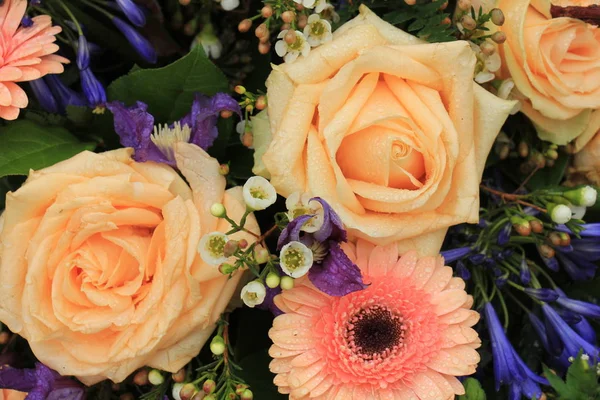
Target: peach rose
(99, 268)
(391, 131)
(554, 64)
(586, 164)
(7, 394)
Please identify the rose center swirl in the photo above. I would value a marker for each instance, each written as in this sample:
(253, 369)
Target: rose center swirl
(375, 333)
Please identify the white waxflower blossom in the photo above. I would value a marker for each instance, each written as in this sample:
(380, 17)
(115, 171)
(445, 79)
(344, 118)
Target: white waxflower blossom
(209, 41)
(259, 193)
(253, 293)
(317, 30)
(486, 65)
(578, 212)
(588, 196)
(229, 5)
(306, 3)
(299, 204)
(290, 52)
(211, 248)
(295, 259)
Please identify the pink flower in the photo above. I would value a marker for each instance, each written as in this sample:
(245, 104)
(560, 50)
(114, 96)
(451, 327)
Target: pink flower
(25, 54)
(406, 336)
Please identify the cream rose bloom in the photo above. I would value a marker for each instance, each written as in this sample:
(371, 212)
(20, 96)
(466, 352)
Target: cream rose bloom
(555, 64)
(391, 131)
(99, 268)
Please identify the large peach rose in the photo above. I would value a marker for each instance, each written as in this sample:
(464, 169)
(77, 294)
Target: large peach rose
(555, 64)
(99, 268)
(586, 164)
(391, 131)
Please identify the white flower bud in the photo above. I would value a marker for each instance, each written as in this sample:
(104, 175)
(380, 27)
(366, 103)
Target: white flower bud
(577, 212)
(505, 88)
(229, 5)
(176, 389)
(211, 248)
(155, 377)
(218, 210)
(272, 280)
(585, 196)
(259, 193)
(300, 204)
(286, 283)
(560, 213)
(253, 293)
(295, 259)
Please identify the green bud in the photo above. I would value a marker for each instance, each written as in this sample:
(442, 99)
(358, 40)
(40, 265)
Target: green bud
(209, 386)
(227, 269)
(247, 395)
(584, 196)
(273, 280)
(155, 377)
(287, 282)
(218, 210)
(217, 345)
(188, 391)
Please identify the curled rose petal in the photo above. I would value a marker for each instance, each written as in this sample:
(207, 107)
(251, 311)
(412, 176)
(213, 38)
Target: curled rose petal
(337, 275)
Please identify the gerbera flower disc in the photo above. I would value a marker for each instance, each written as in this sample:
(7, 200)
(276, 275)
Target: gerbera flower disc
(406, 336)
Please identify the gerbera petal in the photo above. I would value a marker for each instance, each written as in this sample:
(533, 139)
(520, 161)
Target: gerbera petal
(322, 387)
(405, 393)
(9, 113)
(306, 296)
(306, 359)
(441, 383)
(456, 283)
(459, 334)
(350, 250)
(448, 300)
(363, 251)
(423, 271)
(382, 259)
(9, 73)
(439, 280)
(279, 366)
(18, 95)
(448, 364)
(406, 265)
(304, 374)
(455, 383)
(288, 321)
(276, 351)
(309, 386)
(459, 316)
(427, 389)
(287, 340)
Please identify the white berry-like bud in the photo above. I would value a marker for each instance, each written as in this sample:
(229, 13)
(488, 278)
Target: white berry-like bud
(259, 193)
(286, 283)
(155, 377)
(176, 389)
(559, 213)
(253, 293)
(295, 259)
(212, 247)
(229, 5)
(584, 196)
(218, 210)
(272, 280)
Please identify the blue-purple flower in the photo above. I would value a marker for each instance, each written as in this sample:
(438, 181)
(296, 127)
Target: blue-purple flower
(141, 45)
(41, 383)
(509, 369)
(133, 12)
(332, 271)
(135, 127)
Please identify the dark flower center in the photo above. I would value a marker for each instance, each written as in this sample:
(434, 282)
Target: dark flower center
(375, 333)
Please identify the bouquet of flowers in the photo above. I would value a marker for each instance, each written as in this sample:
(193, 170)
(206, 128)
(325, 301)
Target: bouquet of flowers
(303, 199)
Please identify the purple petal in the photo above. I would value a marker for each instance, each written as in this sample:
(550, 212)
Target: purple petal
(22, 380)
(292, 231)
(68, 393)
(204, 115)
(337, 275)
(332, 228)
(134, 125)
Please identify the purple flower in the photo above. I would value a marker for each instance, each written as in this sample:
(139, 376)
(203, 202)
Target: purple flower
(571, 341)
(133, 13)
(92, 88)
(543, 294)
(580, 307)
(44, 96)
(141, 45)
(135, 125)
(332, 271)
(63, 94)
(589, 230)
(27, 22)
(83, 53)
(269, 301)
(41, 383)
(504, 234)
(509, 369)
(455, 254)
(463, 271)
(524, 272)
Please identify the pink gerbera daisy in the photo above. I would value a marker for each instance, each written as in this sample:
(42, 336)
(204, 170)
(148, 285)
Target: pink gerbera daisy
(406, 336)
(26, 53)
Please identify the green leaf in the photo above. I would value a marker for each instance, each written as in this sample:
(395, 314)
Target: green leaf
(558, 384)
(473, 390)
(26, 145)
(79, 115)
(582, 378)
(169, 91)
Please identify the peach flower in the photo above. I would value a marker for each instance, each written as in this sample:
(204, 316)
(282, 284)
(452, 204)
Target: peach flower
(7, 394)
(99, 268)
(25, 54)
(391, 132)
(586, 164)
(405, 337)
(554, 64)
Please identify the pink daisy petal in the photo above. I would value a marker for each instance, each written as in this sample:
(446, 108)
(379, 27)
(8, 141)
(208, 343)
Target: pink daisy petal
(12, 19)
(455, 383)
(9, 113)
(403, 337)
(9, 73)
(456, 283)
(5, 97)
(18, 95)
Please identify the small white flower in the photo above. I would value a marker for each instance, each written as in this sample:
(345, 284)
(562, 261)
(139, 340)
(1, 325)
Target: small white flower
(300, 204)
(211, 248)
(253, 293)
(577, 212)
(571, 359)
(229, 5)
(484, 76)
(317, 30)
(588, 196)
(493, 62)
(295, 259)
(506, 88)
(585, 357)
(290, 52)
(486, 64)
(209, 41)
(259, 193)
(560, 214)
(306, 3)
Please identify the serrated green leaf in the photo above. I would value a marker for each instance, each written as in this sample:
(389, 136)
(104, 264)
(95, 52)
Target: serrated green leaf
(26, 145)
(561, 387)
(473, 390)
(169, 91)
(582, 378)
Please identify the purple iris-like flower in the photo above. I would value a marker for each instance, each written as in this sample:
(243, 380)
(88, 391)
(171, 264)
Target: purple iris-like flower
(579, 259)
(571, 341)
(44, 95)
(92, 88)
(524, 272)
(455, 254)
(63, 94)
(589, 230)
(333, 272)
(141, 45)
(135, 125)
(463, 271)
(580, 307)
(509, 369)
(41, 383)
(133, 12)
(504, 235)
(83, 53)
(542, 294)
